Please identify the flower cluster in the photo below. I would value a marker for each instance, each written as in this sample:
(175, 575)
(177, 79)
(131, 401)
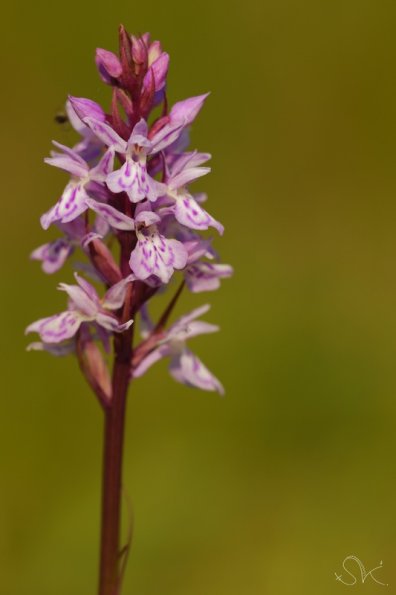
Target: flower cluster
(129, 186)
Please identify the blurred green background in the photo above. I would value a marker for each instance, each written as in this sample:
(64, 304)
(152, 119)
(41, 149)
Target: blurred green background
(267, 490)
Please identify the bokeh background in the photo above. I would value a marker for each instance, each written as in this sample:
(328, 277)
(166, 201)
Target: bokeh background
(267, 490)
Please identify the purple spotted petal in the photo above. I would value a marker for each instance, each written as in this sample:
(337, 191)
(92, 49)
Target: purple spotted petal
(113, 217)
(205, 276)
(156, 255)
(69, 206)
(53, 255)
(100, 172)
(57, 328)
(133, 179)
(188, 369)
(189, 213)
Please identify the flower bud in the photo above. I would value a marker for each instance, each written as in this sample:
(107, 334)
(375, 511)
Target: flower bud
(86, 108)
(109, 66)
(93, 366)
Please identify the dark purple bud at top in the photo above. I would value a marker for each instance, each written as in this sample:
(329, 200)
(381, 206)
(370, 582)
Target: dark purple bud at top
(109, 66)
(86, 108)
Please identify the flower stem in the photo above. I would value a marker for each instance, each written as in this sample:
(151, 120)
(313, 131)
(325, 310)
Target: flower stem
(109, 579)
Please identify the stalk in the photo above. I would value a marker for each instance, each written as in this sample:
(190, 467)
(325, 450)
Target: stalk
(114, 427)
(109, 577)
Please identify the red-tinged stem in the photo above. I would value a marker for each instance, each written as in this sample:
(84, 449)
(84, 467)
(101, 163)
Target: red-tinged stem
(109, 582)
(110, 549)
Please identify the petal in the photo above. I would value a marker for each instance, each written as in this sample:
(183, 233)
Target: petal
(205, 276)
(195, 328)
(188, 369)
(188, 109)
(177, 162)
(74, 229)
(154, 50)
(71, 153)
(57, 328)
(55, 349)
(87, 288)
(101, 226)
(125, 179)
(81, 302)
(157, 256)
(189, 213)
(68, 164)
(196, 248)
(184, 321)
(153, 189)
(86, 108)
(113, 217)
(69, 206)
(150, 359)
(106, 134)
(159, 70)
(145, 215)
(111, 323)
(114, 298)
(146, 324)
(179, 253)
(133, 179)
(108, 65)
(166, 136)
(140, 130)
(53, 255)
(104, 167)
(188, 175)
